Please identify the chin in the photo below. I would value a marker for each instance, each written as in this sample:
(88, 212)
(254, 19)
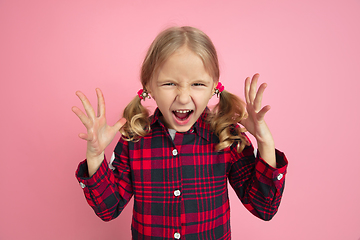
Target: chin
(182, 129)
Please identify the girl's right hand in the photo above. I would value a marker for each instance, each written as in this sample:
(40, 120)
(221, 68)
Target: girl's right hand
(99, 134)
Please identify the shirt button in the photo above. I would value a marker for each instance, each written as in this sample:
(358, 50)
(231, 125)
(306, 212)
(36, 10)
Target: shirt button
(82, 185)
(280, 176)
(175, 152)
(177, 235)
(177, 193)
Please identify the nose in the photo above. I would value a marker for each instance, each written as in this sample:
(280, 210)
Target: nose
(184, 96)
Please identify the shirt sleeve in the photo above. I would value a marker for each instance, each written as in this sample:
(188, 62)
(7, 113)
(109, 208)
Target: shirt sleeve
(107, 191)
(258, 185)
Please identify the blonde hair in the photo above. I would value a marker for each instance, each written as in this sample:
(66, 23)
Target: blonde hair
(223, 118)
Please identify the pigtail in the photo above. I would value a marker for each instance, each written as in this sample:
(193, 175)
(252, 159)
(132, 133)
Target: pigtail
(224, 119)
(137, 121)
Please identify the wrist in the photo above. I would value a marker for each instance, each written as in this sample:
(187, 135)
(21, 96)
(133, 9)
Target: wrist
(94, 162)
(267, 142)
(94, 157)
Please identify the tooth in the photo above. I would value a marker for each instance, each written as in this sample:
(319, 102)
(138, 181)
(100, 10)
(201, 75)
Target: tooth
(183, 111)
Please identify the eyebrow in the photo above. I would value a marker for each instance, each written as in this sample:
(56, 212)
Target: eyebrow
(172, 79)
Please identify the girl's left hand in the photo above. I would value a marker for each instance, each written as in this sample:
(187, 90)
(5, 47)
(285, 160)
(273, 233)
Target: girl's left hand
(255, 122)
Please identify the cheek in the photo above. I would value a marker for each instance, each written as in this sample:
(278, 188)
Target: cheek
(166, 94)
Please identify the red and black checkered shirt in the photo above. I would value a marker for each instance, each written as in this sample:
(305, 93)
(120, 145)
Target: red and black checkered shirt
(180, 186)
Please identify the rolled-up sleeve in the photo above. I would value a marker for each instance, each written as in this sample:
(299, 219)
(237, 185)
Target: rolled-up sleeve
(106, 191)
(258, 185)
(269, 175)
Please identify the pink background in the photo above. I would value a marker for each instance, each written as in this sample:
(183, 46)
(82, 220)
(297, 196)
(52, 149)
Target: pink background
(307, 51)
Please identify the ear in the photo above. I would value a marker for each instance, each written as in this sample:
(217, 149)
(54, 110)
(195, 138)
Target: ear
(148, 90)
(214, 87)
(151, 96)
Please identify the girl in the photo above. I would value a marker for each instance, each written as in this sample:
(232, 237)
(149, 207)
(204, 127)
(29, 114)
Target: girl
(176, 163)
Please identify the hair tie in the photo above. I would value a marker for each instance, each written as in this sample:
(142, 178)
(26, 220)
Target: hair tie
(143, 94)
(219, 88)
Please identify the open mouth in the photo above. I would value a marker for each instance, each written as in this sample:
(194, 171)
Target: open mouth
(182, 115)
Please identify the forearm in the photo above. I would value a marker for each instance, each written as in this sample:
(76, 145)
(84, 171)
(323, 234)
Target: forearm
(267, 151)
(104, 192)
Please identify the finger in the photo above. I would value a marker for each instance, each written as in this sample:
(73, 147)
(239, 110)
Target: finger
(262, 112)
(242, 121)
(86, 103)
(253, 87)
(101, 103)
(83, 136)
(247, 89)
(259, 96)
(119, 124)
(83, 118)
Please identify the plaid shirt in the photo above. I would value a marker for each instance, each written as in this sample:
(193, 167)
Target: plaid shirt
(180, 186)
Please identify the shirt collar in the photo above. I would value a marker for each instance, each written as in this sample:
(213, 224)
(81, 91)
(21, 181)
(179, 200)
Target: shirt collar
(200, 127)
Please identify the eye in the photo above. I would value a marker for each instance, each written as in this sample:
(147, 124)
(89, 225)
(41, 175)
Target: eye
(198, 84)
(168, 84)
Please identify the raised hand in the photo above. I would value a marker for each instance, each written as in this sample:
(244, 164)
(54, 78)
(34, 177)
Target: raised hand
(255, 122)
(99, 134)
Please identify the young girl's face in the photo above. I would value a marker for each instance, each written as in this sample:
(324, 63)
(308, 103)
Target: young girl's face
(182, 89)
